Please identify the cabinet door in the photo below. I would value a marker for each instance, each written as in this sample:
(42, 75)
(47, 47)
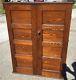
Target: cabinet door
(51, 32)
(22, 33)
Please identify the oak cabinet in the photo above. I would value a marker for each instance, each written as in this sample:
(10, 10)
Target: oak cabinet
(38, 34)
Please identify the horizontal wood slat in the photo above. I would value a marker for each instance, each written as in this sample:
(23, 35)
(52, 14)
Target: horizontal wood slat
(51, 74)
(21, 17)
(52, 44)
(21, 26)
(51, 67)
(56, 17)
(24, 60)
(17, 7)
(51, 61)
(24, 70)
(52, 35)
(22, 42)
(23, 49)
(22, 34)
(52, 51)
(53, 27)
(22, 56)
(56, 7)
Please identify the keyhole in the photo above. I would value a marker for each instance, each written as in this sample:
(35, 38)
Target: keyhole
(39, 32)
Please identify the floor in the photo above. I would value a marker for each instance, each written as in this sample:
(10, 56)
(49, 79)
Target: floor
(5, 56)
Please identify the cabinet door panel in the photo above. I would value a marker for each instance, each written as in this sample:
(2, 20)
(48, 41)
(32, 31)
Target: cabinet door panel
(21, 26)
(51, 67)
(51, 61)
(52, 36)
(24, 37)
(21, 17)
(53, 30)
(22, 34)
(54, 27)
(51, 74)
(51, 23)
(24, 60)
(24, 70)
(23, 49)
(53, 17)
(52, 49)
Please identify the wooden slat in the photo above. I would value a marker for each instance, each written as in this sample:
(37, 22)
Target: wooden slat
(51, 74)
(53, 7)
(51, 67)
(24, 70)
(23, 46)
(21, 17)
(56, 17)
(22, 42)
(22, 34)
(23, 56)
(52, 35)
(51, 61)
(52, 44)
(23, 49)
(52, 51)
(53, 27)
(21, 26)
(23, 63)
(24, 60)
(16, 6)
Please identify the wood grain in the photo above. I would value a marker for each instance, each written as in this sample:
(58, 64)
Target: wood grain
(52, 67)
(51, 61)
(22, 34)
(52, 51)
(38, 34)
(21, 17)
(52, 36)
(23, 49)
(51, 74)
(53, 27)
(24, 60)
(24, 70)
(56, 17)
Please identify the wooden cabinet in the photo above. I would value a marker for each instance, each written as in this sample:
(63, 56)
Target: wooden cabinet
(38, 34)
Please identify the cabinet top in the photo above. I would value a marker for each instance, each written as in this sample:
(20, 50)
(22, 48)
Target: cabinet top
(63, 1)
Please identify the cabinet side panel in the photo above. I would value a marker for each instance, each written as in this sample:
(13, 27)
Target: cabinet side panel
(66, 32)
